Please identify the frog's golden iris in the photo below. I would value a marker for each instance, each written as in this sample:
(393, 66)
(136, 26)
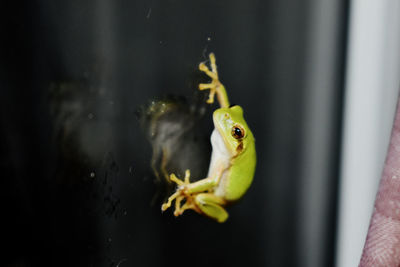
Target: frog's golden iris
(237, 132)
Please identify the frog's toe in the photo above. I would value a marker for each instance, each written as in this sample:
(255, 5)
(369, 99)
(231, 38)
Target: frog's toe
(203, 67)
(187, 176)
(165, 206)
(212, 74)
(175, 179)
(204, 86)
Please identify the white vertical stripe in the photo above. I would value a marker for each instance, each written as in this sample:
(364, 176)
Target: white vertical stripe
(372, 82)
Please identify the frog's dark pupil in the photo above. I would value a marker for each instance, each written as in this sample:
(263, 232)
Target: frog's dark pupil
(238, 132)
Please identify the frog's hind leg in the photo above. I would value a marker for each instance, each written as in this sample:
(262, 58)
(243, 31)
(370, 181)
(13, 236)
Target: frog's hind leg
(211, 205)
(189, 205)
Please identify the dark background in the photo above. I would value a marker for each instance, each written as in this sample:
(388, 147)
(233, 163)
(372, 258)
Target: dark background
(75, 165)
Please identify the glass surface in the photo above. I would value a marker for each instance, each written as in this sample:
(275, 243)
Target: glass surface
(76, 163)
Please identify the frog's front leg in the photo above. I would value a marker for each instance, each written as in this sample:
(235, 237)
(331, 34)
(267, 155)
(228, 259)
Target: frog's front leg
(179, 194)
(189, 192)
(215, 86)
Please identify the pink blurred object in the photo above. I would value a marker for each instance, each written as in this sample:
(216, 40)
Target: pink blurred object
(382, 247)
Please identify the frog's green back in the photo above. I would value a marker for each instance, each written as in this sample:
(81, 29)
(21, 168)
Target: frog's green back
(242, 172)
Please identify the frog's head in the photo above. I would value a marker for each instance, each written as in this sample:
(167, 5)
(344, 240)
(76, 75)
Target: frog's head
(232, 127)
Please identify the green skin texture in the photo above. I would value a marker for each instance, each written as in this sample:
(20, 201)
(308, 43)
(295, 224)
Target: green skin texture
(241, 172)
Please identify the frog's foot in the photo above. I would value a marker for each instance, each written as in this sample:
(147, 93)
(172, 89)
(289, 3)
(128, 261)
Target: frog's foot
(212, 206)
(215, 86)
(180, 195)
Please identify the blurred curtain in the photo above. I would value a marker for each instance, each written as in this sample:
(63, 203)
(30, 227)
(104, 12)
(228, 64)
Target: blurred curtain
(371, 94)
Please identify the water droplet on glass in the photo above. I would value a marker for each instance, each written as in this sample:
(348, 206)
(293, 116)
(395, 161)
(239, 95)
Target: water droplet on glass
(148, 13)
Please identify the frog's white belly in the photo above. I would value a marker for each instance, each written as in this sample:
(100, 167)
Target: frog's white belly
(220, 160)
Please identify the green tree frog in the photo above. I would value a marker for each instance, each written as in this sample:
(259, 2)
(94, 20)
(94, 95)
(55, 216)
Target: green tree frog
(233, 159)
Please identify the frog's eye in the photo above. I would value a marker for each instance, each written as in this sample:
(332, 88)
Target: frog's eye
(237, 132)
